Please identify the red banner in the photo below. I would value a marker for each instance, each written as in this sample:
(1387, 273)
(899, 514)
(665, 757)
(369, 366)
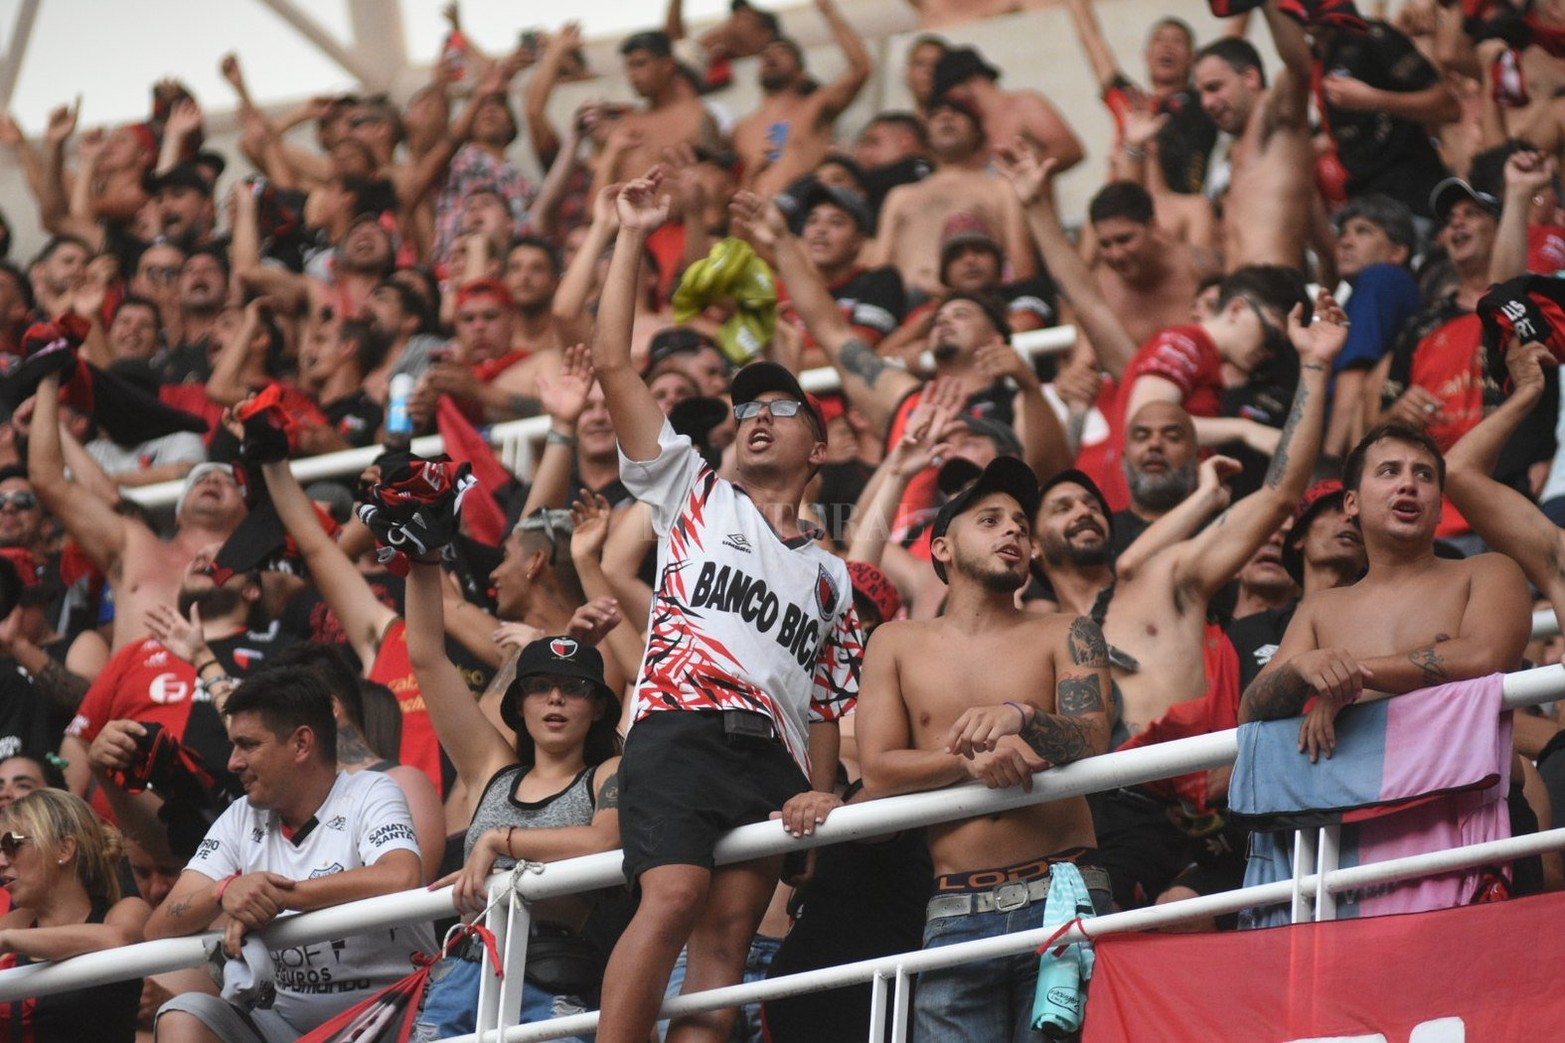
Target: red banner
(1472, 975)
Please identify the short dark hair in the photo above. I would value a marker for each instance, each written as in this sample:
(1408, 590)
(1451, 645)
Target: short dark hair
(1240, 55)
(1270, 285)
(1121, 199)
(654, 41)
(130, 300)
(217, 253)
(411, 303)
(1391, 216)
(14, 471)
(540, 244)
(1171, 22)
(288, 698)
(991, 307)
(24, 285)
(906, 120)
(55, 242)
(1353, 466)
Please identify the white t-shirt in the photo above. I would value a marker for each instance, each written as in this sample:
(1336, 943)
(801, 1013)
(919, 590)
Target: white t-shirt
(363, 818)
(740, 619)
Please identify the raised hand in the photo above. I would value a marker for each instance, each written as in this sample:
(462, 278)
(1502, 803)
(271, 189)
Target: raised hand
(62, 122)
(1525, 363)
(1322, 340)
(178, 634)
(11, 132)
(589, 527)
(229, 67)
(1213, 474)
(641, 205)
(1528, 172)
(565, 397)
(1029, 171)
(593, 621)
(184, 119)
(760, 220)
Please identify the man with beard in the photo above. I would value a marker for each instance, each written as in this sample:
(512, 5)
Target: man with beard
(151, 681)
(1174, 671)
(789, 134)
(914, 216)
(183, 201)
(398, 314)
(485, 373)
(926, 722)
(56, 273)
(202, 290)
(143, 569)
(532, 275)
(1160, 468)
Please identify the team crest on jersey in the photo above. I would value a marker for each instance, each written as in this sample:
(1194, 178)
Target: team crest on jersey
(563, 648)
(331, 870)
(826, 593)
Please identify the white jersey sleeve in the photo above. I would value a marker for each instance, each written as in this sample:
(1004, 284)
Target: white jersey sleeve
(385, 823)
(663, 481)
(220, 854)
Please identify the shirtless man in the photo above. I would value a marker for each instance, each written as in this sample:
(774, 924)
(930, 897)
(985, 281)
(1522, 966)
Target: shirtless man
(963, 73)
(914, 216)
(674, 115)
(144, 571)
(1453, 620)
(1271, 194)
(532, 274)
(1147, 278)
(926, 722)
(789, 134)
(484, 368)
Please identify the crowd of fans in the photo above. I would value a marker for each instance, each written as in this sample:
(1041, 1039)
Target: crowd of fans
(281, 697)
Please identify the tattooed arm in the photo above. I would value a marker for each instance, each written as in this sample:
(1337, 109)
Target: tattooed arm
(1493, 633)
(1217, 554)
(1083, 706)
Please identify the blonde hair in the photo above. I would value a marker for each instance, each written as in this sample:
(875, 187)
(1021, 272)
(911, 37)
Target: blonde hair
(47, 816)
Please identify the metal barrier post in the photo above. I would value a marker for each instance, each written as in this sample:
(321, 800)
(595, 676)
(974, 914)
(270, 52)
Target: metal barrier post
(1303, 855)
(1328, 854)
(903, 994)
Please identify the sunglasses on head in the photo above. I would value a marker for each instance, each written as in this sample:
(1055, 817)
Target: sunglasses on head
(573, 687)
(10, 840)
(555, 525)
(22, 500)
(778, 407)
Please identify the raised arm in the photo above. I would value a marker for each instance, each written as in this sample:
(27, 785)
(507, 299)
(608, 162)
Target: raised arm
(1508, 521)
(840, 92)
(1031, 178)
(1527, 173)
(1104, 68)
(564, 398)
(364, 618)
(540, 130)
(91, 522)
(570, 299)
(1215, 556)
(874, 385)
(476, 748)
(1211, 495)
(637, 418)
(1288, 100)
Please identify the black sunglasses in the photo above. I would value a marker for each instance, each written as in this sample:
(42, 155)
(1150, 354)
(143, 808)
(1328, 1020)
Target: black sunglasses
(22, 500)
(10, 841)
(543, 684)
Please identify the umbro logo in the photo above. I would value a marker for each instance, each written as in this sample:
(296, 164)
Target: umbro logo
(737, 541)
(338, 823)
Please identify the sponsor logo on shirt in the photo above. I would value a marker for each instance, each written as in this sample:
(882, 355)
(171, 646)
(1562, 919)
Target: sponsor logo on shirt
(737, 541)
(168, 688)
(207, 848)
(731, 590)
(391, 831)
(337, 823)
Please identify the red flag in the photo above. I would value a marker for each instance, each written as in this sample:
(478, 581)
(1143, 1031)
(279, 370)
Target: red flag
(1477, 973)
(485, 517)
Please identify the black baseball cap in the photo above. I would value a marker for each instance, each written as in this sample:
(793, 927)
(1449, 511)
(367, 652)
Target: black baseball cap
(1072, 476)
(1452, 191)
(563, 656)
(814, 193)
(1005, 474)
(960, 64)
(759, 377)
(185, 175)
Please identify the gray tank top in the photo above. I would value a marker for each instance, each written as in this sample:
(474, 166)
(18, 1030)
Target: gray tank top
(498, 808)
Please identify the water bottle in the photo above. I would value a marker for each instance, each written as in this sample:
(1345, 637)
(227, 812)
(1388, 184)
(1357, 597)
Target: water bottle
(399, 422)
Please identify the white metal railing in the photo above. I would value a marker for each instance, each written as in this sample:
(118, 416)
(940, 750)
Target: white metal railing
(515, 439)
(875, 818)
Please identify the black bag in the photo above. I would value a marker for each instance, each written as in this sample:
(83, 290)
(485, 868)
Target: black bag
(563, 962)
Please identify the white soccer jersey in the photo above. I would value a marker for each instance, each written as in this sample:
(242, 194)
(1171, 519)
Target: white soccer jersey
(740, 619)
(364, 817)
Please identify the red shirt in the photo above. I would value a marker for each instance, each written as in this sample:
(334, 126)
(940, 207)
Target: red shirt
(1187, 357)
(1449, 362)
(393, 668)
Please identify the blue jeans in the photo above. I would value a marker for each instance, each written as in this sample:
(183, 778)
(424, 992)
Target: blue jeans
(747, 1027)
(451, 1003)
(989, 1001)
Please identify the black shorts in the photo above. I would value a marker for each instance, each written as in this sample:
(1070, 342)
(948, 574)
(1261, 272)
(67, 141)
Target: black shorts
(683, 784)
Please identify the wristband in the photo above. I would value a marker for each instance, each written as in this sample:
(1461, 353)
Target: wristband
(555, 438)
(202, 666)
(1133, 152)
(222, 885)
(1019, 709)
